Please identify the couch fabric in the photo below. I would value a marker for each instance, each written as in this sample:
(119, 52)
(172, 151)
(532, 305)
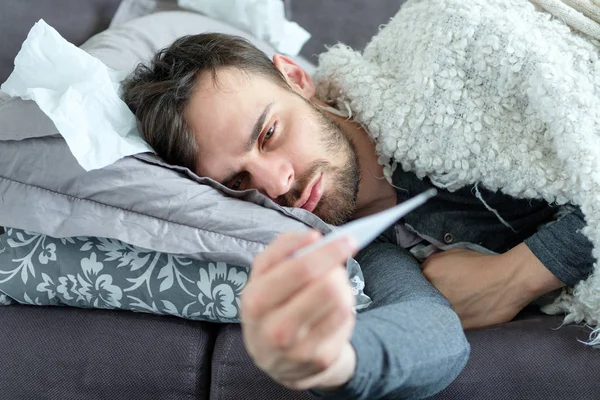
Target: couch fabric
(528, 358)
(234, 375)
(71, 354)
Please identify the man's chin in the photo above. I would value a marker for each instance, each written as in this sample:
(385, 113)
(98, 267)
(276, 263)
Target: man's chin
(338, 218)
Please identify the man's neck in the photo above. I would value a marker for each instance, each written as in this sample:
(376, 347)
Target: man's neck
(374, 193)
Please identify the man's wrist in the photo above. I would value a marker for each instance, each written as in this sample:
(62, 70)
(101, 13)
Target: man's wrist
(530, 275)
(341, 372)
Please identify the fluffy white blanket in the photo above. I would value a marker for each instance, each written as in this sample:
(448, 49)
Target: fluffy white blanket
(495, 92)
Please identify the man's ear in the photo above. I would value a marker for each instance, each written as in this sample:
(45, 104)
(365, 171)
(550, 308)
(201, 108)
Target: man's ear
(297, 78)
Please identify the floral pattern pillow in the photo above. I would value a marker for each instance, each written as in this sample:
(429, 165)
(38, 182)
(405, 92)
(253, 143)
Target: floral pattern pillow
(93, 272)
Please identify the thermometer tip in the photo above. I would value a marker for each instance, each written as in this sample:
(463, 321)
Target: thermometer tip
(431, 193)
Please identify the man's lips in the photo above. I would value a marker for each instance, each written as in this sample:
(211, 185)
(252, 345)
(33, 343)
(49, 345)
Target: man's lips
(312, 194)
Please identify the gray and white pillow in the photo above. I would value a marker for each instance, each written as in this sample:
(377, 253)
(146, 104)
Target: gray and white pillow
(90, 272)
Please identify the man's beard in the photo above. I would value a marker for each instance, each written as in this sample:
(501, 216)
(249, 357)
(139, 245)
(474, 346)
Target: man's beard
(338, 203)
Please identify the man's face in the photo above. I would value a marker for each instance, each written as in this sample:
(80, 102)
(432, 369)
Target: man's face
(254, 134)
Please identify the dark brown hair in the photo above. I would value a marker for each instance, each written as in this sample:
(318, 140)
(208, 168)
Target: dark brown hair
(158, 93)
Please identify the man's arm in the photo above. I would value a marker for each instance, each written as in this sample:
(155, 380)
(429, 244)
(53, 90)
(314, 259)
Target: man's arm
(562, 249)
(298, 324)
(491, 289)
(409, 343)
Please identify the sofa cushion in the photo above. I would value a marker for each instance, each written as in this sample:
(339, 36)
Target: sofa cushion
(528, 358)
(235, 376)
(72, 354)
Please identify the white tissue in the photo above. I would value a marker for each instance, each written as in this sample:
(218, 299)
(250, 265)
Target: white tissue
(80, 95)
(265, 19)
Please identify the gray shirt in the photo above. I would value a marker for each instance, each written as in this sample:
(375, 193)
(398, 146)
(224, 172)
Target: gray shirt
(410, 343)
(492, 222)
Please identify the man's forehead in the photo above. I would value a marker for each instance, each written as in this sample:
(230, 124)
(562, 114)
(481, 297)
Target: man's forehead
(231, 98)
(226, 82)
(224, 119)
(230, 80)
(234, 109)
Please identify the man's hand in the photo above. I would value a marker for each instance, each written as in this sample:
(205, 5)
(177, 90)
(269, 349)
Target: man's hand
(489, 289)
(297, 316)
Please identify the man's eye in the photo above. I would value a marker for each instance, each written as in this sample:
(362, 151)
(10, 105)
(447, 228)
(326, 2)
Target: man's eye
(269, 133)
(236, 184)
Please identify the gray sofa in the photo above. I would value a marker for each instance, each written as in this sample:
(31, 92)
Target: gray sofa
(68, 353)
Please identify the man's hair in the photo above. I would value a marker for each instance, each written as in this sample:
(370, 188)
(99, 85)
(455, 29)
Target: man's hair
(158, 93)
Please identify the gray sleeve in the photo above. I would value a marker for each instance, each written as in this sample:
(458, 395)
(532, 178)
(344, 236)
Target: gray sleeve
(563, 249)
(410, 343)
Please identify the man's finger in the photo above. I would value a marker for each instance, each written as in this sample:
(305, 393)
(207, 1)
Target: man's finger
(330, 295)
(279, 284)
(327, 350)
(330, 322)
(281, 248)
(317, 350)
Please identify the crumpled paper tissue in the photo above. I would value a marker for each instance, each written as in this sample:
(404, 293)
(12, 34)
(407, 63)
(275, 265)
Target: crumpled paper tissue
(80, 94)
(265, 19)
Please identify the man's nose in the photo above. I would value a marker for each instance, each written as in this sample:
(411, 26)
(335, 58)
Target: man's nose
(273, 178)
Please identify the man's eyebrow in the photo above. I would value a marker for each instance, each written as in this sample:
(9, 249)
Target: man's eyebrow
(256, 130)
(258, 125)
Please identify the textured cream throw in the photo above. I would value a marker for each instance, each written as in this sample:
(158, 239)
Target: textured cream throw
(495, 92)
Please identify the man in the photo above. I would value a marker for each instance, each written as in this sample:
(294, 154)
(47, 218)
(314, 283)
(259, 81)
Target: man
(217, 105)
